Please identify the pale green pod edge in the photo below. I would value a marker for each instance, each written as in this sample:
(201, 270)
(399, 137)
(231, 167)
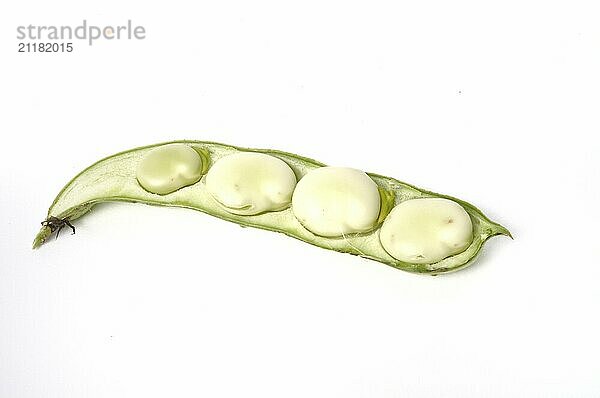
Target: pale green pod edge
(114, 179)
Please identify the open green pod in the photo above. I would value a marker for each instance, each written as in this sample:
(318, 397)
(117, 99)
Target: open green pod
(130, 177)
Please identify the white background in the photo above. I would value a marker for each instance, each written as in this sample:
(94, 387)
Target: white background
(496, 103)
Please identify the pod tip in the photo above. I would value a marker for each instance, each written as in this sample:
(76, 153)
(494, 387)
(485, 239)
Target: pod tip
(41, 237)
(505, 232)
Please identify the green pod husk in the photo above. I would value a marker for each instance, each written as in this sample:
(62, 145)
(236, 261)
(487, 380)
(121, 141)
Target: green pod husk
(114, 179)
